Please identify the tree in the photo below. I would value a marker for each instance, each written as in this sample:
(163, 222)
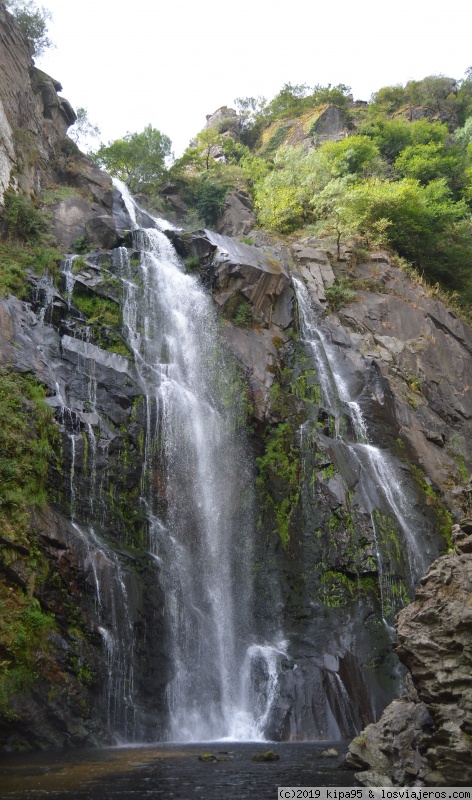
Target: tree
(353, 155)
(33, 21)
(82, 130)
(208, 144)
(390, 98)
(427, 162)
(330, 207)
(433, 91)
(282, 198)
(138, 159)
(422, 223)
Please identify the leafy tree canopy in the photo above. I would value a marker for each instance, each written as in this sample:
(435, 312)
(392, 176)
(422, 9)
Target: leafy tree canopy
(138, 158)
(422, 223)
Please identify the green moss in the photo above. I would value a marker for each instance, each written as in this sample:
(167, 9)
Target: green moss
(104, 315)
(463, 471)
(279, 476)
(388, 536)
(24, 632)
(96, 308)
(336, 588)
(27, 440)
(306, 388)
(278, 400)
(328, 472)
(433, 500)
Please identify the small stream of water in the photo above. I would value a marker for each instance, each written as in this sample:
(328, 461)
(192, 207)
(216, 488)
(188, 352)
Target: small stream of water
(380, 479)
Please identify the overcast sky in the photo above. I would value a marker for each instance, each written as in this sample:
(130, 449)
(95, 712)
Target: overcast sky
(169, 64)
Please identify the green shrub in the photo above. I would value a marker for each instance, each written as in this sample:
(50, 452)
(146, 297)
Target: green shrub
(338, 295)
(23, 221)
(208, 199)
(192, 263)
(243, 314)
(80, 245)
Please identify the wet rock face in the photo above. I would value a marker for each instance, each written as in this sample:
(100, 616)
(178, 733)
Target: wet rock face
(324, 572)
(93, 538)
(253, 280)
(315, 560)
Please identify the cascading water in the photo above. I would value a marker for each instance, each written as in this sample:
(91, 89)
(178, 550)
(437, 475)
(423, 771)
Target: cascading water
(197, 491)
(379, 476)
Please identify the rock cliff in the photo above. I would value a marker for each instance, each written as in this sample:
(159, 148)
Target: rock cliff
(346, 518)
(424, 737)
(316, 563)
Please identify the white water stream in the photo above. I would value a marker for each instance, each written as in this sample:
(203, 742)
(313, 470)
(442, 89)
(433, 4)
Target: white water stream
(379, 476)
(197, 490)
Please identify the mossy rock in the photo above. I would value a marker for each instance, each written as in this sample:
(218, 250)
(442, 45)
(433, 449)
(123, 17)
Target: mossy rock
(269, 755)
(207, 757)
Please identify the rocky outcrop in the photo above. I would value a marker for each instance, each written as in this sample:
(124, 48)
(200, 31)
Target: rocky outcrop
(33, 118)
(423, 350)
(330, 125)
(251, 286)
(237, 217)
(315, 268)
(225, 121)
(36, 154)
(424, 738)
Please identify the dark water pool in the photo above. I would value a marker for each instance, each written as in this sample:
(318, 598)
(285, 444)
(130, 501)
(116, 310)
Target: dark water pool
(171, 771)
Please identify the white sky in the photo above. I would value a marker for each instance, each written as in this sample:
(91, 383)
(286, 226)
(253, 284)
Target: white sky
(169, 64)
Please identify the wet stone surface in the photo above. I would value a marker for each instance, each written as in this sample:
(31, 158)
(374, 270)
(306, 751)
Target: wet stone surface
(172, 771)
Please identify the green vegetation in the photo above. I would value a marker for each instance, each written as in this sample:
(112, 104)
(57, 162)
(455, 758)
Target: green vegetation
(82, 130)
(96, 309)
(54, 194)
(24, 245)
(104, 315)
(22, 221)
(24, 632)
(243, 314)
(33, 21)
(192, 263)
(137, 158)
(27, 437)
(400, 178)
(279, 476)
(339, 294)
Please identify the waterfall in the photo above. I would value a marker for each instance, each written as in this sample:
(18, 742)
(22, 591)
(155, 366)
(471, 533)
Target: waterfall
(380, 480)
(196, 488)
